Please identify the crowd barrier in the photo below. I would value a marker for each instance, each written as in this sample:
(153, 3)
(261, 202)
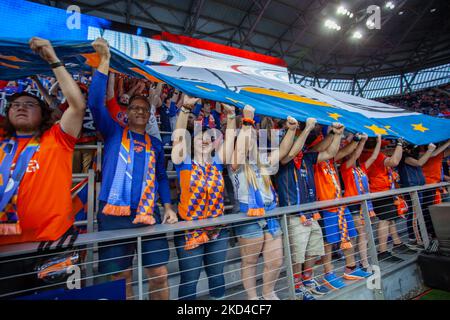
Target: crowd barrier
(93, 240)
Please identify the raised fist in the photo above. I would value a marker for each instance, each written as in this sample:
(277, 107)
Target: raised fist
(44, 48)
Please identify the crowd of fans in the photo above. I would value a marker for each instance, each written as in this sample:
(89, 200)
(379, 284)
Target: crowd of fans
(213, 145)
(434, 102)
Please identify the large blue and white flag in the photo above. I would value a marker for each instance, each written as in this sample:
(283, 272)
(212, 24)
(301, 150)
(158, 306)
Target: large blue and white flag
(269, 96)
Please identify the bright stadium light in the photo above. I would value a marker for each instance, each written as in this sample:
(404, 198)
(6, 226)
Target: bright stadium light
(344, 11)
(357, 35)
(390, 5)
(330, 24)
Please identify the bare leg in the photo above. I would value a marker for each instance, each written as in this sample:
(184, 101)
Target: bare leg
(128, 276)
(326, 259)
(273, 260)
(383, 233)
(250, 250)
(362, 241)
(157, 282)
(393, 232)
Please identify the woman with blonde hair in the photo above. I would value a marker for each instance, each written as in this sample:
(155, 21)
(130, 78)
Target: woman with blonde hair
(256, 195)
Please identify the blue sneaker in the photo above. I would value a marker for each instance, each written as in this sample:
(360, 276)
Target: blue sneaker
(333, 282)
(357, 274)
(302, 293)
(315, 287)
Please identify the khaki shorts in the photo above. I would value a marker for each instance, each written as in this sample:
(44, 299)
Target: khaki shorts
(305, 240)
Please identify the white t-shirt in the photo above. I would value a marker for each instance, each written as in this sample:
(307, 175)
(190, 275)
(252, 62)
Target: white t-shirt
(240, 185)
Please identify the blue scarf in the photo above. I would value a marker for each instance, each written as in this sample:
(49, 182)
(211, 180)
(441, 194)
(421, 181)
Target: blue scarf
(11, 175)
(256, 207)
(119, 198)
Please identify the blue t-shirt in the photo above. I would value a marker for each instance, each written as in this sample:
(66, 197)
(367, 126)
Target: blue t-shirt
(410, 176)
(296, 186)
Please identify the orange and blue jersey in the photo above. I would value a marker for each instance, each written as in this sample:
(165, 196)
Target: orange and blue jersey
(327, 182)
(202, 188)
(44, 202)
(433, 170)
(355, 180)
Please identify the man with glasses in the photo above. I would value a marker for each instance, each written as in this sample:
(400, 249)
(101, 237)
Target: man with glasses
(133, 174)
(36, 171)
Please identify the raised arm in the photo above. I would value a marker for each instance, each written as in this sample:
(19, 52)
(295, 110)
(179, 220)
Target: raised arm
(374, 154)
(72, 119)
(441, 149)
(357, 153)
(43, 91)
(336, 131)
(345, 151)
(180, 134)
(110, 91)
(246, 139)
(324, 144)
(286, 144)
(423, 159)
(300, 142)
(226, 148)
(396, 157)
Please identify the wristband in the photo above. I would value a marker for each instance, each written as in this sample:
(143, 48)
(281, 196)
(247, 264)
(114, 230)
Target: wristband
(185, 110)
(56, 64)
(356, 138)
(248, 121)
(231, 116)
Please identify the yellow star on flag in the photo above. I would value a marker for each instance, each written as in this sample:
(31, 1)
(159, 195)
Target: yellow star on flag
(334, 116)
(419, 127)
(376, 129)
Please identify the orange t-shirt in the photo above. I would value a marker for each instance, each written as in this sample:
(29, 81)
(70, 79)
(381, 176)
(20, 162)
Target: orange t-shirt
(349, 179)
(432, 169)
(327, 182)
(44, 202)
(377, 172)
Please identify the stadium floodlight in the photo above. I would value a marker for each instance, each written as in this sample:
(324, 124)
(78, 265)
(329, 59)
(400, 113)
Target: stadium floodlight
(341, 10)
(390, 5)
(357, 35)
(344, 11)
(330, 24)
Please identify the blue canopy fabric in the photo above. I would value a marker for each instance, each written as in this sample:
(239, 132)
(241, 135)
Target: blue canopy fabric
(269, 97)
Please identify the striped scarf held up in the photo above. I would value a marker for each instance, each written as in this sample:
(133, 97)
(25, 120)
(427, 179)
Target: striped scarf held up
(342, 221)
(362, 186)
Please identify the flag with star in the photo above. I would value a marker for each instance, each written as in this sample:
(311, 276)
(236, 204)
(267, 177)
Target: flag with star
(270, 97)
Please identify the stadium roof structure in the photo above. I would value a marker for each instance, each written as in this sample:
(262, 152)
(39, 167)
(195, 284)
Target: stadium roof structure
(413, 35)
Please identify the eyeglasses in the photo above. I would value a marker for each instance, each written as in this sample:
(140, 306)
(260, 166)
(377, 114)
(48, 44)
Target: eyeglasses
(137, 109)
(26, 104)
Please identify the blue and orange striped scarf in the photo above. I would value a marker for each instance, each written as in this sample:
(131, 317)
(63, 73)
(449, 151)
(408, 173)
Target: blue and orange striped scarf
(342, 221)
(362, 187)
(206, 188)
(11, 175)
(119, 198)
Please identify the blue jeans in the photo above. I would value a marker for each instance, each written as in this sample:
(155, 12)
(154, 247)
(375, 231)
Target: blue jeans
(213, 255)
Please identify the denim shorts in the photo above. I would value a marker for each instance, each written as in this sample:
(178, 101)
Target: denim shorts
(256, 229)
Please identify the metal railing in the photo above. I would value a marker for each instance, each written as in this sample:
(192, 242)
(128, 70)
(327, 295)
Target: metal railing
(92, 242)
